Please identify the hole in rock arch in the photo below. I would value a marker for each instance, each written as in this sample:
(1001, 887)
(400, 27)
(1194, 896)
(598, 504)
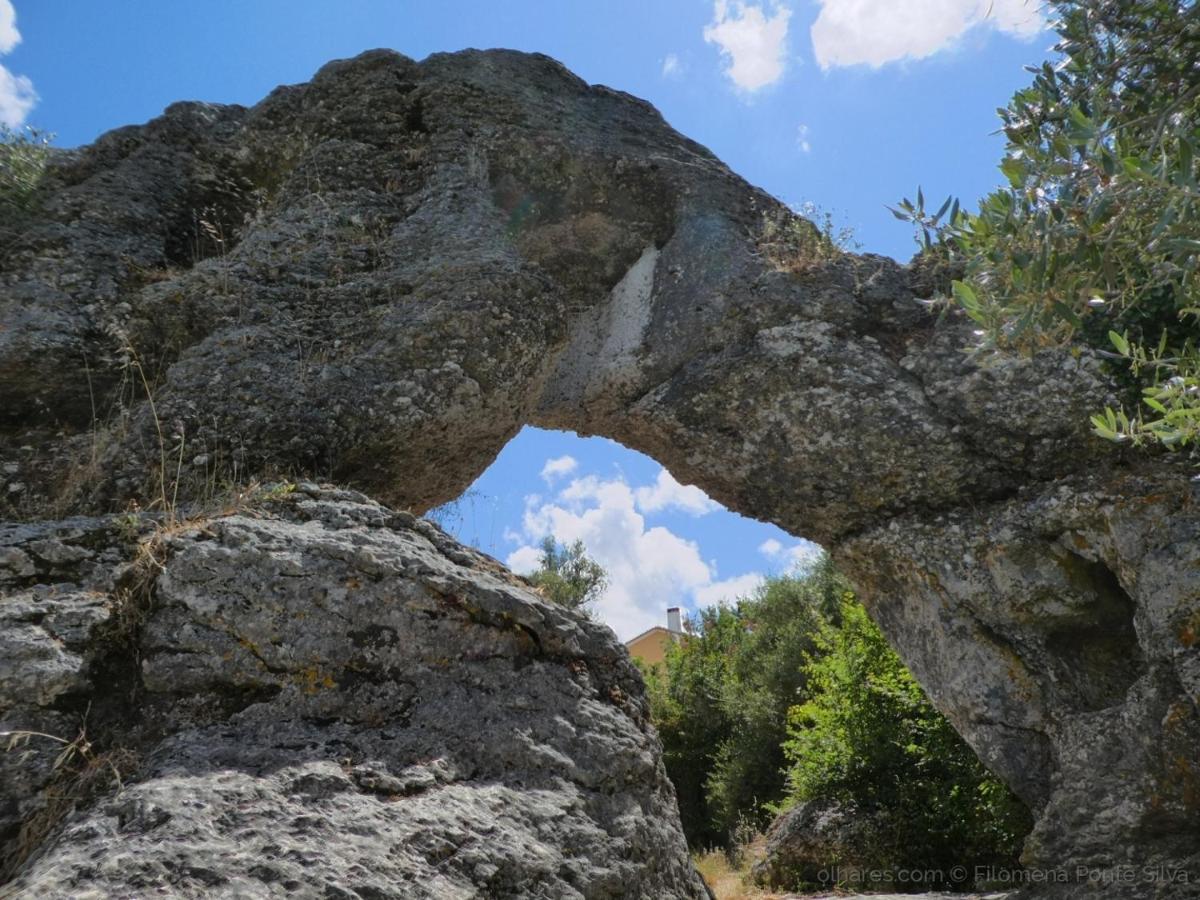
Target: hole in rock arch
(731, 746)
(662, 544)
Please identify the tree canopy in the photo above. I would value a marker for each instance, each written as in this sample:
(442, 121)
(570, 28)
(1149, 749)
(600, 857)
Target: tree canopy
(1096, 236)
(567, 575)
(793, 694)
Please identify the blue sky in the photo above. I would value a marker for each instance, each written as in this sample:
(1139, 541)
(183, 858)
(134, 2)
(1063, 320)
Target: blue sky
(847, 104)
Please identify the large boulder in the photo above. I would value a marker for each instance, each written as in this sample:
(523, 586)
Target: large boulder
(312, 695)
(378, 277)
(822, 845)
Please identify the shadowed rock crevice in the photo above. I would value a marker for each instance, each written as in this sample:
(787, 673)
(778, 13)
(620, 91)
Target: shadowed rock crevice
(1096, 657)
(439, 253)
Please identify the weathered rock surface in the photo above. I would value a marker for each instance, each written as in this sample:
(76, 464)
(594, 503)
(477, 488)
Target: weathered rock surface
(820, 845)
(319, 697)
(379, 276)
(382, 275)
(1059, 632)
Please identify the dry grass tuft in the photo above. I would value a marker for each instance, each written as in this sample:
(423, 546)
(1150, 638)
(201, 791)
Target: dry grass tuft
(728, 874)
(799, 242)
(80, 774)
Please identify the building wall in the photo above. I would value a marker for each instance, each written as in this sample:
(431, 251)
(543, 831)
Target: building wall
(651, 647)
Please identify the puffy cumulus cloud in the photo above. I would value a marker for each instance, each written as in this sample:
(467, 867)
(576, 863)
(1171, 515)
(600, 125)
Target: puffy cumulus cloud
(17, 96)
(770, 547)
(800, 555)
(650, 568)
(753, 40)
(525, 560)
(9, 36)
(667, 493)
(729, 590)
(558, 467)
(875, 32)
(672, 67)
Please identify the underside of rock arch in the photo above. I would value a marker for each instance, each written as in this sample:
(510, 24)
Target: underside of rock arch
(378, 277)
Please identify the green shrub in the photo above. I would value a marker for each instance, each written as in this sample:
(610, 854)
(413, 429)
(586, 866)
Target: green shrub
(778, 626)
(23, 157)
(1096, 238)
(868, 737)
(793, 694)
(720, 704)
(692, 722)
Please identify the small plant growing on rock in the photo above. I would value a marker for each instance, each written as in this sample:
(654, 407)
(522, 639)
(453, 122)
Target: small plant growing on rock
(802, 239)
(23, 157)
(278, 492)
(81, 772)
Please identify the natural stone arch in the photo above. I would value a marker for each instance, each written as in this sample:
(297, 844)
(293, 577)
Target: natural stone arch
(396, 266)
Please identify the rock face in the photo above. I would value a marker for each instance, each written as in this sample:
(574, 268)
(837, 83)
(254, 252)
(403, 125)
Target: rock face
(380, 276)
(318, 696)
(1059, 630)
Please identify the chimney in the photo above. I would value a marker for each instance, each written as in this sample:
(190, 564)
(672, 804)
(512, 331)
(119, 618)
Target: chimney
(674, 624)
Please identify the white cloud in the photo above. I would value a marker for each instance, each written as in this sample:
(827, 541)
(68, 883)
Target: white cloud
(672, 67)
(729, 590)
(874, 32)
(800, 555)
(802, 139)
(9, 36)
(649, 568)
(17, 96)
(753, 39)
(525, 560)
(558, 467)
(667, 493)
(770, 547)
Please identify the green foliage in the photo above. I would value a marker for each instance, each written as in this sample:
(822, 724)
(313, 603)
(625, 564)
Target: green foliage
(793, 694)
(568, 576)
(1097, 233)
(868, 736)
(693, 723)
(23, 156)
(929, 228)
(721, 703)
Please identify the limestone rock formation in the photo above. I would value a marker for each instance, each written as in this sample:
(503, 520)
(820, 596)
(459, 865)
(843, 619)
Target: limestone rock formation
(1059, 632)
(376, 278)
(313, 695)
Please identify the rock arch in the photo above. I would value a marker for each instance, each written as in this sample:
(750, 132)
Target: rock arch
(399, 264)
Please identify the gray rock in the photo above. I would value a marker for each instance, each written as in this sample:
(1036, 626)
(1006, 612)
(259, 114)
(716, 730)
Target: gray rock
(381, 275)
(1058, 631)
(821, 846)
(325, 698)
